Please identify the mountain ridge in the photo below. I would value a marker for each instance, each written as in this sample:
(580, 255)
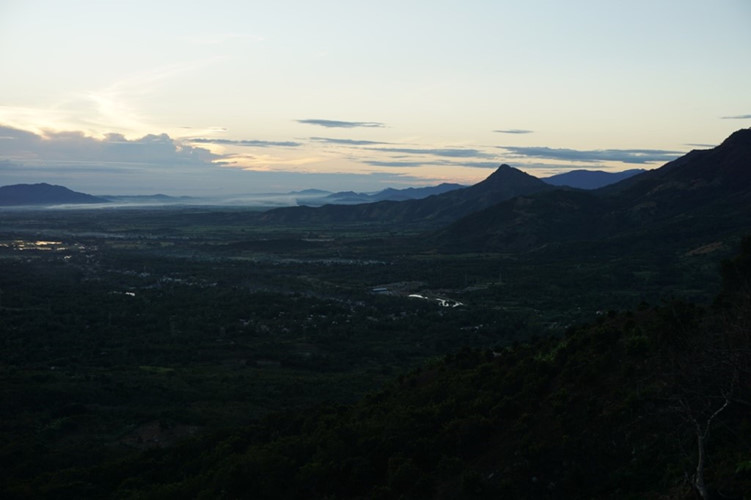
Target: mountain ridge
(43, 194)
(390, 194)
(707, 188)
(590, 179)
(504, 183)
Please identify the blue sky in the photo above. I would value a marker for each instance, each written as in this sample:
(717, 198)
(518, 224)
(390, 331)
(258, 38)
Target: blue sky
(225, 97)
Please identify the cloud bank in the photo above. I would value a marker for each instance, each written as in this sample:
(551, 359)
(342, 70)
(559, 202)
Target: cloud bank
(22, 146)
(737, 117)
(112, 164)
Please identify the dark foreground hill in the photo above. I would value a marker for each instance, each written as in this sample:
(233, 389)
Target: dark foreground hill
(652, 403)
(43, 194)
(503, 184)
(700, 198)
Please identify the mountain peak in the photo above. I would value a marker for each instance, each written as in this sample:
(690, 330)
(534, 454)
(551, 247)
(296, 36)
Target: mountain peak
(727, 163)
(505, 174)
(503, 169)
(740, 137)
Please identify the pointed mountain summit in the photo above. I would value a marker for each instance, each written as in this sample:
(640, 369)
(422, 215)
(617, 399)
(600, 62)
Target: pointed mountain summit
(504, 183)
(43, 194)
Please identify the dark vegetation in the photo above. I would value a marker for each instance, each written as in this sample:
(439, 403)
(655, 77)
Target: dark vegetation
(557, 345)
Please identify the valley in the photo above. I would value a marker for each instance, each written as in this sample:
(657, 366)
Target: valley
(134, 331)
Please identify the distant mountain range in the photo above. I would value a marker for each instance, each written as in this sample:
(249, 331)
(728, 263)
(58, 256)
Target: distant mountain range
(353, 198)
(43, 194)
(581, 179)
(46, 194)
(503, 184)
(590, 179)
(576, 204)
(700, 198)
(703, 195)
(438, 204)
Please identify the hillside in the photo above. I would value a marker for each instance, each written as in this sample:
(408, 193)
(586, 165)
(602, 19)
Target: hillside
(43, 194)
(503, 184)
(695, 200)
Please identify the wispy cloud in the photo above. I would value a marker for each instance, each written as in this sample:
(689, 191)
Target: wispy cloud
(245, 142)
(481, 164)
(443, 152)
(117, 105)
(417, 163)
(340, 124)
(514, 131)
(635, 156)
(395, 163)
(346, 142)
(737, 117)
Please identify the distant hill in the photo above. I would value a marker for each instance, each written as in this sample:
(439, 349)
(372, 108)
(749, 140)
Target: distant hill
(701, 196)
(353, 198)
(505, 183)
(590, 179)
(413, 193)
(43, 194)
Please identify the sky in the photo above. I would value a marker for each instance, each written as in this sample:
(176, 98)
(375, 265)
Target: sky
(226, 97)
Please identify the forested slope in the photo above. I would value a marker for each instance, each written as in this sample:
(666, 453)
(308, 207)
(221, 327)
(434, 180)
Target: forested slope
(615, 409)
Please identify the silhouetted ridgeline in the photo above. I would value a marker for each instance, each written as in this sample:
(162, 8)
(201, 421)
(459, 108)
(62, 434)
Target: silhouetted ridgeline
(503, 184)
